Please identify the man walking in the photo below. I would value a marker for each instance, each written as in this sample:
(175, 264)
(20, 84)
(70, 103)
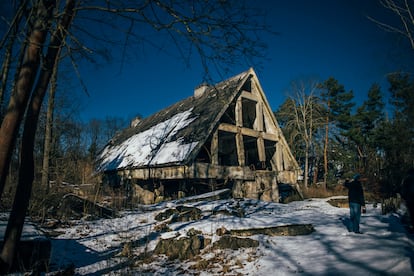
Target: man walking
(356, 202)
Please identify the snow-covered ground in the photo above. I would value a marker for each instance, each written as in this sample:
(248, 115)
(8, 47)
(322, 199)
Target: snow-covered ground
(384, 248)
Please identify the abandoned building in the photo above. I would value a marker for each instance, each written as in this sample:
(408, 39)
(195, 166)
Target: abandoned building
(224, 136)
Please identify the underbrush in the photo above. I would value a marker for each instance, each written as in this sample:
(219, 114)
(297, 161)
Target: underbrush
(338, 190)
(320, 192)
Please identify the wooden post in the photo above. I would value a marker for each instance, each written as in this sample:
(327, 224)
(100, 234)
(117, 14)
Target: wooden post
(239, 136)
(259, 116)
(261, 149)
(214, 148)
(240, 148)
(239, 112)
(279, 157)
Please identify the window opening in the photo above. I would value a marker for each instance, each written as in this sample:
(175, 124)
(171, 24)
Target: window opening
(204, 155)
(270, 150)
(249, 113)
(251, 152)
(229, 116)
(247, 86)
(227, 149)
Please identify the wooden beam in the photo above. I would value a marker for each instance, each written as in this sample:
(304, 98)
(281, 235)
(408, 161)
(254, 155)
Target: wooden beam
(279, 157)
(249, 95)
(228, 128)
(259, 116)
(205, 171)
(240, 149)
(239, 112)
(196, 170)
(270, 136)
(261, 149)
(214, 148)
(268, 120)
(173, 172)
(247, 131)
(242, 130)
(250, 132)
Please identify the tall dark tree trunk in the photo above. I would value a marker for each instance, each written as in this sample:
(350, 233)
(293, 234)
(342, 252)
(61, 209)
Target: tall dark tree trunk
(26, 170)
(23, 87)
(5, 68)
(4, 75)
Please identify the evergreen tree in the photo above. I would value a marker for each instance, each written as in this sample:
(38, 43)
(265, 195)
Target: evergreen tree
(365, 133)
(402, 97)
(398, 142)
(338, 120)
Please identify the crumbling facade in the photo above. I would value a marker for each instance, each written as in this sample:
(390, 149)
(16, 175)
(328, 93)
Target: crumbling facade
(224, 136)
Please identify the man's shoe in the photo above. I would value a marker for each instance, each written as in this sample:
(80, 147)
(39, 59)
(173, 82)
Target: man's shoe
(358, 232)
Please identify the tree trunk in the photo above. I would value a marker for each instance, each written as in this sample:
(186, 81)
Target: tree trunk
(11, 36)
(23, 86)
(26, 170)
(325, 154)
(4, 75)
(48, 132)
(315, 171)
(306, 165)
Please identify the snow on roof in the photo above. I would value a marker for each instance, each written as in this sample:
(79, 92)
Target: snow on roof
(173, 135)
(155, 146)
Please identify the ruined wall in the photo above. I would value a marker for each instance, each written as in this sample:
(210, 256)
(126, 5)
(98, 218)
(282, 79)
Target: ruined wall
(264, 187)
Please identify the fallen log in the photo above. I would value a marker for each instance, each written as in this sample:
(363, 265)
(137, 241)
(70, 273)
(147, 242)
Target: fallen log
(283, 230)
(76, 207)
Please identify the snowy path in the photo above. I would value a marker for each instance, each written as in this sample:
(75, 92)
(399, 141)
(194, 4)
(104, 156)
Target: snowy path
(383, 249)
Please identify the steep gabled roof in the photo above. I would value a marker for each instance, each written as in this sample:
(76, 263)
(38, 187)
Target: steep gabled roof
(173, 135)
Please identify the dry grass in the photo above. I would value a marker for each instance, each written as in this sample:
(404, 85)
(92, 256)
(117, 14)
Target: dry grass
(338, 190)
(320, 192)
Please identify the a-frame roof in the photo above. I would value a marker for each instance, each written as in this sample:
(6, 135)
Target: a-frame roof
(175, 135)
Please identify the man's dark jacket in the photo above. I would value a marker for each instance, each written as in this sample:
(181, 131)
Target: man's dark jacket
(355, 192)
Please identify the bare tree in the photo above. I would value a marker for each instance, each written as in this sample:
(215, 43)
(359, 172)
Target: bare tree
(306, 117)
(404, 10)
(110, 126)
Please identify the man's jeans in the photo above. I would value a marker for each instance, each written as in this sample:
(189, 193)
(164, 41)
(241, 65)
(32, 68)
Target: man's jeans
(355, 216)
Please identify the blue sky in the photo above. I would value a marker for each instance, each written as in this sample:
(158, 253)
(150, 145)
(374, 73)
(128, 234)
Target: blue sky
(316, 40)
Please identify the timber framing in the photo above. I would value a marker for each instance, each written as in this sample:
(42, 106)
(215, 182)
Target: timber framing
(196, 171)
(225, 133)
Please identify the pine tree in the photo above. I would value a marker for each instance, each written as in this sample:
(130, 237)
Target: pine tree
(398, 143)
(338, 120)
(365, 132)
